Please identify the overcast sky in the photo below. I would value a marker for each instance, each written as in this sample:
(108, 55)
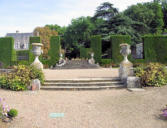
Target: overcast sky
(25, 15)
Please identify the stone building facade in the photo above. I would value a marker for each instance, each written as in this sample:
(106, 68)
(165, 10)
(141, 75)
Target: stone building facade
(21, 40)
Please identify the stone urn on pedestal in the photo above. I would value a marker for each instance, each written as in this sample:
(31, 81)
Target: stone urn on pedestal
(37, 51)
(126, 67)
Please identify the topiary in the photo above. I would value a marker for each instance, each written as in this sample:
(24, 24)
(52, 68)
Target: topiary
(12, 113)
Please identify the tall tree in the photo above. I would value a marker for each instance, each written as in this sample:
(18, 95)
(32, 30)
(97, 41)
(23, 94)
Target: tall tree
(105, 11)
(148, 13)
(45, 33)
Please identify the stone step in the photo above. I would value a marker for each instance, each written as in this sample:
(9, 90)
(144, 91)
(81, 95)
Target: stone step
(101, 83)
(83, 80)
(81, 87)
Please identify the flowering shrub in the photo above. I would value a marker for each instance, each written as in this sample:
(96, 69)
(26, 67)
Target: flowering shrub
(4, 108)
(20, 78)
(153, 74)
(164, 114)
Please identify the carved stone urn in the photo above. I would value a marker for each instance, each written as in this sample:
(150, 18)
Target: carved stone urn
(37, 51)
(126, 67)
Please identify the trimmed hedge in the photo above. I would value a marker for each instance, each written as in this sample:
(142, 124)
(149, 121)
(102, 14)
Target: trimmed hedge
(85, 52)
(96, 46)
(25, 54)
(34, 39)
(155, 48)
(54, 51)
(7, 52)
(116, 40)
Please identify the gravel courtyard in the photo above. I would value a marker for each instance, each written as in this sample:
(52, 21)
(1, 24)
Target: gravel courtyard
(117, 108)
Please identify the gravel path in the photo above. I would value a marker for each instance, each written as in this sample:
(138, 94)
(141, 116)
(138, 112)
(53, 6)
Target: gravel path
(88, 109)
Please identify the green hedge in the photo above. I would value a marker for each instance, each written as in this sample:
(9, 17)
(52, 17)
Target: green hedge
(155, 48)
(96, 46)
(7, 52)
(34, 39)
(116, 40)
(85, 52)
(54, 51)
(23, 53)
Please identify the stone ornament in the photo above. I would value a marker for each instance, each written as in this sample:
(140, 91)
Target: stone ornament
(125, 51)
(37, 51)
(61, 61)
(91, 60)
(126, 67)
(35, 84)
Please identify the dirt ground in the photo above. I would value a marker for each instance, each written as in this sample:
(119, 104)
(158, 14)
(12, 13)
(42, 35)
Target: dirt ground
(117, 108)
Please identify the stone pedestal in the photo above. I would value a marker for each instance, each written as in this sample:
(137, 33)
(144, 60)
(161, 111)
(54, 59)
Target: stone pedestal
(126, 67)
(133, 82)
(125, 70)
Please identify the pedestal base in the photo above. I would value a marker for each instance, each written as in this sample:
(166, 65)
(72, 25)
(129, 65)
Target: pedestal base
(126, 69)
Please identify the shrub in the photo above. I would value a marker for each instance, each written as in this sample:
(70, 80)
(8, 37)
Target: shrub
(12, 113)
(153, 74)
(106, 62)
(36, 74)
(96, 47)
(7, 52)
(20, 78)
(54, 51)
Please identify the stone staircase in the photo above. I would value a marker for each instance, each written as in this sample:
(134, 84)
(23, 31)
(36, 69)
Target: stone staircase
(77, 64)
(83, 84)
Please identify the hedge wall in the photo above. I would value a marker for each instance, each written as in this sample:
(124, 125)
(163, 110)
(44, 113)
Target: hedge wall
(85, 52)
(155, 48)
(7, 52)
(54, 51)
(116, 40)
(34, 39)
(96, 46)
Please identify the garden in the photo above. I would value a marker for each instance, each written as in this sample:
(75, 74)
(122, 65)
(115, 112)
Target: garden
(100, 35)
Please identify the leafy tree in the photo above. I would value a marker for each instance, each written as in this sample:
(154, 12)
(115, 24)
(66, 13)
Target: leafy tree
(45, 33)
(79, 31)
(148, 13)
(57, 28)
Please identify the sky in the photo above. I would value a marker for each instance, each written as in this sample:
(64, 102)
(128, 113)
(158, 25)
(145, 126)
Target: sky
(25, 15)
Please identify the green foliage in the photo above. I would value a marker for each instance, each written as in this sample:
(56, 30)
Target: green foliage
(105, 11)
(154, 74)
(57, 28)
(54, 51)
(7, 52)
(23, 53)
(36, 74)
(149, 13)
(96, 47)
(116, 40)
(85, 52)
(155, 48)
(19, 79)
(78, 33)
(106, 62)
(34, 39)
(12, 113)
